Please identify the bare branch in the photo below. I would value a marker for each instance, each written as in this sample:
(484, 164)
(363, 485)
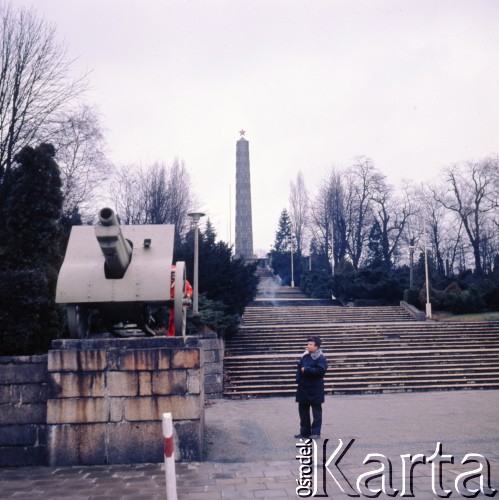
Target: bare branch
(35, 81)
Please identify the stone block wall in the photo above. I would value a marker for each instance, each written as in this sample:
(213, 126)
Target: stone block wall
(106, 399)
(23, 410)
(213, 348)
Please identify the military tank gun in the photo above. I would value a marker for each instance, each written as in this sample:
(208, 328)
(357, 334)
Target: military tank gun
(122, 272)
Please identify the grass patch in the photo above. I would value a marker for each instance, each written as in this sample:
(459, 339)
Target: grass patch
(447, 316)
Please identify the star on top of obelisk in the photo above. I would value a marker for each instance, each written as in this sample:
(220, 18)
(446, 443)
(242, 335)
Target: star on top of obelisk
(242, 132)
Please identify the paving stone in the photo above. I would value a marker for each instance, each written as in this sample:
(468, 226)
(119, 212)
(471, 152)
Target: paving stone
(270, 494)
(204, 496)
(240, 494)
(270, 470)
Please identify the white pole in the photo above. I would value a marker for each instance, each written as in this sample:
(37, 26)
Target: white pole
(230, 215)
(332, 251)
(171, 479)
(427, 276)
(195, 217)
(195, 308)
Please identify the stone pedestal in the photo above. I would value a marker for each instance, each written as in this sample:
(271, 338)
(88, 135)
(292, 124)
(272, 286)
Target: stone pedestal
(106, 399)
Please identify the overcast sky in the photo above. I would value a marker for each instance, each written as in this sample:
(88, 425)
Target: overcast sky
(414, 85)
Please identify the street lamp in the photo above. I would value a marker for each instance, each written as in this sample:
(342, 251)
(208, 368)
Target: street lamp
(292, 265)
(196, 216)
(411, 262)
(427, 276)
(332, 251)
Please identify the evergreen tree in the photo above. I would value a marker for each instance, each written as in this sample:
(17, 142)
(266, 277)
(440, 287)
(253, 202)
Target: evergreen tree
(280, 253)
(210, 234)
(30, 209)
(226, 285)
(375, 252)
(283, 234)
(67, 221)
(33, 202)
(320, 260)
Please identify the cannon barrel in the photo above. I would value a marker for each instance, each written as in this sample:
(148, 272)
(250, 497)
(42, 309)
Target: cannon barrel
(116, 249)
(107, 217)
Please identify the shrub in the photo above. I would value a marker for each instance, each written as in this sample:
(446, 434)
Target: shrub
(489, 291)
(411, 297)
(213, 316)
(30, 207)
(435, 297)
(317, 284)
(453, 288)
(29, 318)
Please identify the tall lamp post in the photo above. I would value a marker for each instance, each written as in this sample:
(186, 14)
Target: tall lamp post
(427, 276)
(196, 216)
(332, 251)
(292, 264)
(411, 262)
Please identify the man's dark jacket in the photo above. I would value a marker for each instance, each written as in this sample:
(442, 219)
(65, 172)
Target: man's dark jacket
(311, 381)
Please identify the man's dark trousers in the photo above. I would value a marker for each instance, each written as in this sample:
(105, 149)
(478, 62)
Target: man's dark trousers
(306, 428)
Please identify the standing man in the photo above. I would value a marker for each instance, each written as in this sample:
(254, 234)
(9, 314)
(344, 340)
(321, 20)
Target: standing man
(310, 392)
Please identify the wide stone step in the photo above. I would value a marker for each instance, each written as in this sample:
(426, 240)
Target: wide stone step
(381, 326)
(272, 391)
(327, 333)
(330, 331)
(334, 382)
(239, 367)
(332, 342)
(369, 349)
(372, 347)
(284, 314)
(471, 374)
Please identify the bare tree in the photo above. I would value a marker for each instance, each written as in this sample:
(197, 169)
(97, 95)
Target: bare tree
(180, 198)
(298, 209)
(154, 183)
(327, 218)
(361, 181)
(489, 246)
(445, 230)
(79, 141)
(392, 213)
(336, 201)
(472, 195)
(158, 194)
(127, 194)
(34, 80)
(321, 223)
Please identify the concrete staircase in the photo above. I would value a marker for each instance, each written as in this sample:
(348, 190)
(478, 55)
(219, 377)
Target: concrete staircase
(371, 349)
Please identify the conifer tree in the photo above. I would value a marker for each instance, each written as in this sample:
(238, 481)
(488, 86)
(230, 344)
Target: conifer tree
(30, 208)
(226, 285)
(280, 253)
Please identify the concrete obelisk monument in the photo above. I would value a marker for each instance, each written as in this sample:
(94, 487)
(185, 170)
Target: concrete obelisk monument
(244, 225)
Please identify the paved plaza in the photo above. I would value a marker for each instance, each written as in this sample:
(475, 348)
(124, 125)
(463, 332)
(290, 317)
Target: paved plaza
(250, 451)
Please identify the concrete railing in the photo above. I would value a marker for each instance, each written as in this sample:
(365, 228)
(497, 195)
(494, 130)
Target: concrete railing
(416, 313)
